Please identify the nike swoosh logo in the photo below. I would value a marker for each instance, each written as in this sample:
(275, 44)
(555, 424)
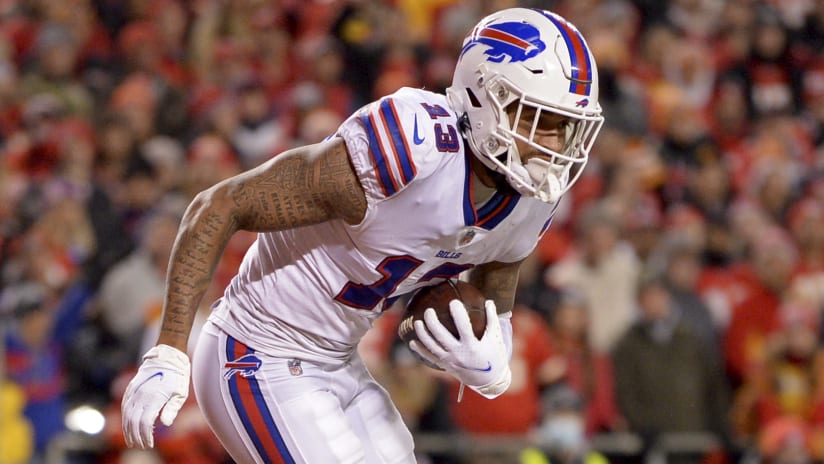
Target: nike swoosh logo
(415, 137)
(156, 374)
(485, 369)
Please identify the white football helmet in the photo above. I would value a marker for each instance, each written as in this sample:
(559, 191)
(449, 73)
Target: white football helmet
(527, 59)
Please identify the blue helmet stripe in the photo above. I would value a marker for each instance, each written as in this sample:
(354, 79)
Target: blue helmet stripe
(576, 48)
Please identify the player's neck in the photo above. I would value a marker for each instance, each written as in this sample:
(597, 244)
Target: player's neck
(483, 186)
(481, 193)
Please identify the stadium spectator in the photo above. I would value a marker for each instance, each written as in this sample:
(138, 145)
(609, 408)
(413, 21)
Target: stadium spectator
(603, 268)
(663, 380)
(786, 383)
(807, 282)
(577, 365)
(131, 291)
(45, 318)
(765, 275)
(561, 437)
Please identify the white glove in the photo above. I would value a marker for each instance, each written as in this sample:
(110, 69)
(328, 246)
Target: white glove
(161, 382)
(505, 320)
(482, 365)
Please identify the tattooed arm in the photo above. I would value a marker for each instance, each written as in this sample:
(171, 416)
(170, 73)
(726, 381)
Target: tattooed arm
(497, 281)
(303, 186)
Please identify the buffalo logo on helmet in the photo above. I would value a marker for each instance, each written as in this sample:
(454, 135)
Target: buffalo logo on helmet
(515, 41)
(245, 365)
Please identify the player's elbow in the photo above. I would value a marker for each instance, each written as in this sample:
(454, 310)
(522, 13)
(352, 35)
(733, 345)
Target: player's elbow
(214, 205)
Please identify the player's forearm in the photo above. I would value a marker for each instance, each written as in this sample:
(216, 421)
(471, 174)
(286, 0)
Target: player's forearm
(205, 229)
(498, 282)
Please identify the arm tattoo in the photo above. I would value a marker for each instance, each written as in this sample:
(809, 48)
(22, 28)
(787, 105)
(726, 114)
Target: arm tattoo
(200, 242)
(498, 282)
(301, 187)
(297, 189)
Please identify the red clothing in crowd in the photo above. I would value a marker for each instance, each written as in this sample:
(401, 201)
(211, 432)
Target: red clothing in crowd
(753, 319)
(519, 409)
(591, 376)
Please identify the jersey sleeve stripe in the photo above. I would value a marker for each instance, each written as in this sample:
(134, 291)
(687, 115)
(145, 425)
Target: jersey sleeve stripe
(398, 142)
(407, 162)
(383, 174)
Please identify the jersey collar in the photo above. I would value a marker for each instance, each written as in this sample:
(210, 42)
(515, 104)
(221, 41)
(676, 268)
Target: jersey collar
(491, 213)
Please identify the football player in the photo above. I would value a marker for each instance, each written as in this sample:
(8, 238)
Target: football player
(412, 189)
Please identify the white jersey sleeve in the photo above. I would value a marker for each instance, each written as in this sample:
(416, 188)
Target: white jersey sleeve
(395, 140)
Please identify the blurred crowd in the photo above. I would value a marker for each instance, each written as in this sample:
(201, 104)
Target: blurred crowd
(680, 288)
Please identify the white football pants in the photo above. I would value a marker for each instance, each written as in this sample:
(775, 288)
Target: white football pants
(274, 410)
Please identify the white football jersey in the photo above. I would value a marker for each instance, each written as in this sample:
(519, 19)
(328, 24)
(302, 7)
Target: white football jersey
(312, 292)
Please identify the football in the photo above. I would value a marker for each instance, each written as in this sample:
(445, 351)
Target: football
(438, 297)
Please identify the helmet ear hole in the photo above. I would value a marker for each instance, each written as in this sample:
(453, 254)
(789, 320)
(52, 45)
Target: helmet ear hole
(473, 100)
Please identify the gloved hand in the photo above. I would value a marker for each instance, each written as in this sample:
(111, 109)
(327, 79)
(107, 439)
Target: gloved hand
(161, 382)
(482, 365)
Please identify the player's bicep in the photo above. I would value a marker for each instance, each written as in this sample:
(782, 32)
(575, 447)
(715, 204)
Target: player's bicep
(498, 281)
(300, 187)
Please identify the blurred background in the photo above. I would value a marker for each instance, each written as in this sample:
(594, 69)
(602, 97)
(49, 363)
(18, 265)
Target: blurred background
(671, 314)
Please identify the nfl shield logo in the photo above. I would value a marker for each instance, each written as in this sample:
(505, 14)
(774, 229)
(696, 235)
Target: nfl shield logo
(467, 238)
(294, 367)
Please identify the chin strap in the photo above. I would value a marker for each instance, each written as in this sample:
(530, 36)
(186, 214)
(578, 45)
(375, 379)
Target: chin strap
(539, 178)
(550, 180)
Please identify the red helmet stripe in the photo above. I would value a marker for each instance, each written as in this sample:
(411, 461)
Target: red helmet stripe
(504, 37)
(578, 54)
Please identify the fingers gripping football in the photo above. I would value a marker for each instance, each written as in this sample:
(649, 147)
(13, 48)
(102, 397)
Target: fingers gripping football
(482, 364)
